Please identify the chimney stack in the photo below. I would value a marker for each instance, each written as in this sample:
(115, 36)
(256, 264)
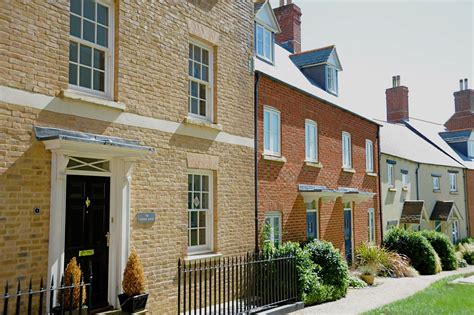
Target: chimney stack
(397, 101)
(289, 18)
(463, 117)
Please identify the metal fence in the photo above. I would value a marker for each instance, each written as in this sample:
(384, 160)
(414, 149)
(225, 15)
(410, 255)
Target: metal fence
(37, 299)
(236, 285)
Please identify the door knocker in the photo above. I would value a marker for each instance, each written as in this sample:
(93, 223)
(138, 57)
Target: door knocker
(88, 202)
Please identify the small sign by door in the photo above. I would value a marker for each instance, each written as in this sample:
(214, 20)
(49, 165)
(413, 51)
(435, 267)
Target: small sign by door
(86, 252)
(148, 217)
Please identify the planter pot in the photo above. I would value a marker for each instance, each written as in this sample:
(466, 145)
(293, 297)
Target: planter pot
(369, 279)
(132, 304)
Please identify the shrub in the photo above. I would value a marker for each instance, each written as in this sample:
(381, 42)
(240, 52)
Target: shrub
(73, 276)
(466, 240)
(356, 283)
(371, 258)
(443, 247)
(467, 252)
(398, 266)
(422, 255)
(461, 261)
(133, 277)
(334, 272)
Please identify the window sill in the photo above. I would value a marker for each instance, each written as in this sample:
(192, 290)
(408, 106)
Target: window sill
(313, 164)
(202, 123)
(392, 190)
(92, 99)
(437, 191)
(349, 170)
(209, 256)
(372, 174)
(454, 192)
(405, 189)
(274, 158)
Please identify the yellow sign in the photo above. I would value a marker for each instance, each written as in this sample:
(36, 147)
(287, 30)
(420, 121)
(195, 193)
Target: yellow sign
(85, 253)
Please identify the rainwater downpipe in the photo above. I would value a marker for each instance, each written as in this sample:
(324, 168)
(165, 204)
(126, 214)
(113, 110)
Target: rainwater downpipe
(255, 122)
(380, 183)
(417, 182)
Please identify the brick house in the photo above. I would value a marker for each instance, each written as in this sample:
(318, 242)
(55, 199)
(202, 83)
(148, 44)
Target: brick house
(456, 139)
(124, 125)
(317, 160)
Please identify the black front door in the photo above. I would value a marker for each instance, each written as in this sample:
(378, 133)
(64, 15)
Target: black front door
(87, 228)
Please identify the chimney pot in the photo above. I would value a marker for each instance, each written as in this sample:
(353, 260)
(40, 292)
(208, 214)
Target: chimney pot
(394, 81)
(466, 87)
(461, 85)
(282, 3)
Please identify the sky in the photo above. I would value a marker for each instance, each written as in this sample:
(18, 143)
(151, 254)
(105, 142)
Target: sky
(430, 44)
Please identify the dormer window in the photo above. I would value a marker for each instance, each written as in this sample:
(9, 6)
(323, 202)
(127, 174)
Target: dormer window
(332, 83)
(470, 148)
(264, 43)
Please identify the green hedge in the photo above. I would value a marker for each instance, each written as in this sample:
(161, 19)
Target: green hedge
(422, 255)
(334, 271)
(443, 247)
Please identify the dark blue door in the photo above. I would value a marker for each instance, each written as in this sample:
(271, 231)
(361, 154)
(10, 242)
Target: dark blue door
(348, 235)
(311, 225)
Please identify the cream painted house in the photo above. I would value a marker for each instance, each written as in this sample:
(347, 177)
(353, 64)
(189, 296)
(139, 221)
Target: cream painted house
(422, 187)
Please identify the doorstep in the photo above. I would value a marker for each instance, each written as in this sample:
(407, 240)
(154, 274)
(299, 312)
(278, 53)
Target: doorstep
(119, 312)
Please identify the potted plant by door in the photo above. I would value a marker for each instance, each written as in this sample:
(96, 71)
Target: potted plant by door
(133, 299)
(72, 277)
(368, 273)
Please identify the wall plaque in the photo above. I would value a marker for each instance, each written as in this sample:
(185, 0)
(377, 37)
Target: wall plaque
(146, 217)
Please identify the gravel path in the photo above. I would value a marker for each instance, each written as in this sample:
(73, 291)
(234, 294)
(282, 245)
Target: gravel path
(386, 291)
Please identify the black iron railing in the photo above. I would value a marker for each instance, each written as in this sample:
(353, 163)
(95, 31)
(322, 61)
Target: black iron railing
(236, 285)
(36, 300)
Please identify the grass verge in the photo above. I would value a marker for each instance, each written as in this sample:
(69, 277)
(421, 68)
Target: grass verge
(440, 298)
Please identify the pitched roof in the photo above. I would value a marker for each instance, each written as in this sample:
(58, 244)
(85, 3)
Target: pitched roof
(286, 72)
(442, 211)
(412, 212)
(400, 141)
(264, 15)
(433, 132)
(312, 57)
(258, 5)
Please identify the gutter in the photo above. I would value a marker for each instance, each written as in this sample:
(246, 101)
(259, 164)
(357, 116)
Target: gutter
(417, 181)
(255, 121)
(380, 183)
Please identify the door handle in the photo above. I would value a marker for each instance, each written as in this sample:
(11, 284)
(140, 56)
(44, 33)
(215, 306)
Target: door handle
(107, 236)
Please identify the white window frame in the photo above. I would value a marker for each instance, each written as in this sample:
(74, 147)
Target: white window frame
(264, 32)
(272, 215)
(311, 149)
(209, 85)
(438, 225)
(312, 207)
(453, 182)
(436, 183)
(371, 225)
(331, 76)
(109, 55)
(209, 246)
(405, 180)
(369, 156)
(391, 175)
(346, 151)
(272, 111)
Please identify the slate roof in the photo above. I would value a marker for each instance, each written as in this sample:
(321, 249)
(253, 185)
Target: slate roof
(442, 210)
(400, 141)
(462, 135)
(286, 72)
(433, 132)
(311, 57)
(257, 6)
(412, 212)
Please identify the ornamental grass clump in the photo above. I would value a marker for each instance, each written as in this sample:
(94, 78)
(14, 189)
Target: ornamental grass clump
(422, 255)
(443, 247)
(371, 259)
(73, 277)
(133, 277)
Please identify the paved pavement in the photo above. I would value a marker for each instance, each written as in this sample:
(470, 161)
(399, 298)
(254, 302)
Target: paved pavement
(386, 291)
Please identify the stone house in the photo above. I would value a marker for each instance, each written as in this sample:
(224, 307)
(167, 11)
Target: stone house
(125, 125)
(421, 186)
(317, 160)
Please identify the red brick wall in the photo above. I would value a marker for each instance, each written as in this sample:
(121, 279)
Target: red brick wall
(463, 117)
(278, 182)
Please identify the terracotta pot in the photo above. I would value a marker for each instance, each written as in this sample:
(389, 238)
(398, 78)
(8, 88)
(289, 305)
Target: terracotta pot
(369, 279)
